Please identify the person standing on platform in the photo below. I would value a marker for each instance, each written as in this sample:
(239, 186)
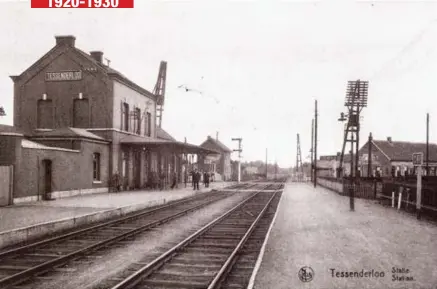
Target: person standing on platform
(197, 179)
(174, 181)
(206, 179)
(162, 181)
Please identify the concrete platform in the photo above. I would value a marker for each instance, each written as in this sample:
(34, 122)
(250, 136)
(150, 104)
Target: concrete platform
(24, 222)
(314, 228)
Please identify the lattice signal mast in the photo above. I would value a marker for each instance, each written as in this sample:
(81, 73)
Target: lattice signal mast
(356, 100)
(159, 91)
(299, 167)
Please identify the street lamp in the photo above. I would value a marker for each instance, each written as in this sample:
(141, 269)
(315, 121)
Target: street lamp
(343, 117)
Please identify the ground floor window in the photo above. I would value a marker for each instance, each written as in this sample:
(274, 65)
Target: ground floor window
(96, 167)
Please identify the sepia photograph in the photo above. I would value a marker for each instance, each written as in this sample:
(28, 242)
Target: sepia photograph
(218, 144)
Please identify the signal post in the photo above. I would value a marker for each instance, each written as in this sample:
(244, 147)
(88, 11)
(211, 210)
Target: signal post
(239, 150)
(418, 161)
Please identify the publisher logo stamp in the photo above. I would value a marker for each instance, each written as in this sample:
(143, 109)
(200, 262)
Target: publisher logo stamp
(306, 274)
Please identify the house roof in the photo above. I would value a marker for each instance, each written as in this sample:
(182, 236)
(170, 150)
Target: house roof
(217, 143)
(403, 151)
(162, 134)
(68, 132)
(33, 145)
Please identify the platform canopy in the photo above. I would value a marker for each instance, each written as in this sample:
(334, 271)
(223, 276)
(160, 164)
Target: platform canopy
(173, 145)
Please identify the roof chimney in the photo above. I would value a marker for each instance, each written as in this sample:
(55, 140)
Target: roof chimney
(97, 55)
(370, 137)
(389, 139)
(216, 136)
(65, 40)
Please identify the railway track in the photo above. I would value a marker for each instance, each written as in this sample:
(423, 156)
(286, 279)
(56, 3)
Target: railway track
(252, 186)
(206, 259)
(241, 273)
(20, 264)
(239, 186)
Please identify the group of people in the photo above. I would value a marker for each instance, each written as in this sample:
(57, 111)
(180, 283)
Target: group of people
(157, 181)
(196, 176)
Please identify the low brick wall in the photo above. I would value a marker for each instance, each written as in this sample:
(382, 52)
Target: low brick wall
(331, 185)
(362, 190)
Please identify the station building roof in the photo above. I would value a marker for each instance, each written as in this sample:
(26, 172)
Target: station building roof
(166, 143)
(67, 132)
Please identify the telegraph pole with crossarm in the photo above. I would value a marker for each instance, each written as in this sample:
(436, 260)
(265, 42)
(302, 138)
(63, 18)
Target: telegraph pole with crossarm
(239, 150)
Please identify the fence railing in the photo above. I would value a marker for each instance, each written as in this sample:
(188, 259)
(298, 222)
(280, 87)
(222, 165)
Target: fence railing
(404, 196)
(395, 192)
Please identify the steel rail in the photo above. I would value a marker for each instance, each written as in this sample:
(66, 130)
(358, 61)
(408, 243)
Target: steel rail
(225, 269)
(147, 270)
(26, 274)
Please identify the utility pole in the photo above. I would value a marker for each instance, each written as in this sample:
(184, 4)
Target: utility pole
(186, 165)
(299, 167)
(315, 144)
(369, 164)
(276, 169)
(239, 150)
(312, 150)
(266, 164)
(356, 100)
(352, 183)
(427, 144)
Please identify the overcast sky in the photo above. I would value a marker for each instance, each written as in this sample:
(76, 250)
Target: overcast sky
(259, 64)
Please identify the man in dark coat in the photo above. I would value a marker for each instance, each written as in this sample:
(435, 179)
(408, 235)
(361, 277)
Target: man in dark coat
(206, 178)
(193, 178)
(197, 179)
(174, 181)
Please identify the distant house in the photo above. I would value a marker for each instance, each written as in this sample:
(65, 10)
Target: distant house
(220, 164)
(394, 158)
(326, 165)
(250, 170)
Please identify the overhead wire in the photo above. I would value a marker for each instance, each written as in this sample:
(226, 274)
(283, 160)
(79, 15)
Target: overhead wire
(407, 48)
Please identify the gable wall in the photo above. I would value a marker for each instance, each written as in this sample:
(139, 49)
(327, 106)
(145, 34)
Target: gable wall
(29, 91)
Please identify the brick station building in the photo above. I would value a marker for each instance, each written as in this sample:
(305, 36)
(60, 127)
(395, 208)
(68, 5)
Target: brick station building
(78, 122)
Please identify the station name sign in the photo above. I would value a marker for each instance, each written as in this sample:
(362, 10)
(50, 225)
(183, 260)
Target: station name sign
(418, 159)
(64, 76)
